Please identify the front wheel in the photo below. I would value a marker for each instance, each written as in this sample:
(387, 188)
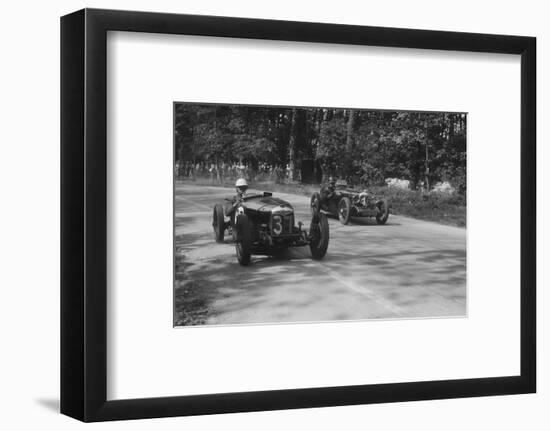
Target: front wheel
(243, 245)
(383, 211)
(218, 223)
(315, 203)
(344, 210)
(319, 235)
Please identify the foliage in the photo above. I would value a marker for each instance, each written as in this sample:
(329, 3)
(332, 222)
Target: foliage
(363, 146)
(444, 208)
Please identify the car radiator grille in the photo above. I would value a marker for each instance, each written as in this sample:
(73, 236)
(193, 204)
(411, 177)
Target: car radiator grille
(288, 223)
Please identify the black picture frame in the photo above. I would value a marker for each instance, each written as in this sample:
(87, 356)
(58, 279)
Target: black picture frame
(84, 214)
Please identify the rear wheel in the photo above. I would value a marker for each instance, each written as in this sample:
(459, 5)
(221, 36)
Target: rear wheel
(218, 223)
(344, 210)
(243, 246)
(383, 212)
(315, 203)
(319, 235)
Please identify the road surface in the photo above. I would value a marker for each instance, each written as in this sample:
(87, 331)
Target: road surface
(405, 269)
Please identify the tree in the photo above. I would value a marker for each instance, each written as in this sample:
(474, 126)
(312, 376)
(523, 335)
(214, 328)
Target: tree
(364, 145)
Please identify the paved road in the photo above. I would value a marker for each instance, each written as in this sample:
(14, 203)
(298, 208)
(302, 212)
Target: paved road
(404, 269)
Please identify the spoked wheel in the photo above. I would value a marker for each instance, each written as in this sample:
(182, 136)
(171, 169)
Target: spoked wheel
(315, 203)
(218, 223)
(319, 236)
(243, 244)
(383, 212)
(344, 210)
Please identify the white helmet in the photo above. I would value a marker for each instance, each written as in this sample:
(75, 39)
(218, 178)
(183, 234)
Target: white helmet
(241, 185)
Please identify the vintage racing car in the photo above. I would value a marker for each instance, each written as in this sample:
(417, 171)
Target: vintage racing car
(346, 202)
(263, 224)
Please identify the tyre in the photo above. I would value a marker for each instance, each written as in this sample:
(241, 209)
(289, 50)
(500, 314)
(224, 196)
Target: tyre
(344, 210)
(315, 203)
(218, 223)
(319, 235)
(383, 212)
(243, 245)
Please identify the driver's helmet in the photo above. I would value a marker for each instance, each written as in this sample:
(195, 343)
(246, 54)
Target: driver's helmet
(241, 185)
(332, 181)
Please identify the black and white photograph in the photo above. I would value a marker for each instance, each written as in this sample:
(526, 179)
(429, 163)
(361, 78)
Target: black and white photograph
(269, 216)
(287, 214)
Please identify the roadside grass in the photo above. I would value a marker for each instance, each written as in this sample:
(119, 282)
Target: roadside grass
(191, 307)
(191, 303)
(444, 208)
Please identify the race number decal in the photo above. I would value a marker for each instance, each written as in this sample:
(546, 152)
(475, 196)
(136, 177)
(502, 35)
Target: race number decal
(277, 225)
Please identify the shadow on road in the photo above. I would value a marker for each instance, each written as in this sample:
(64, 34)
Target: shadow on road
(370, 271)
(291, 286)
(365, 221)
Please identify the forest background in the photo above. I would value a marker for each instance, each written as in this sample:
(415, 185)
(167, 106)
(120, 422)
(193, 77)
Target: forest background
(415, 159)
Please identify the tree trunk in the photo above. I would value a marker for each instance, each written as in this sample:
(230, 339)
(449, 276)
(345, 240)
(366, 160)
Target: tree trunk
(292, 146)
(349, 132)
(426, 161)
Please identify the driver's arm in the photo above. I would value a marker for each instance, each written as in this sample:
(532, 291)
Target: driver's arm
(324, 193)
(327, 192)
(230, 206)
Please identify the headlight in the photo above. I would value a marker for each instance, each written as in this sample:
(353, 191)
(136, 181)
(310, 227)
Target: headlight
(277, 225)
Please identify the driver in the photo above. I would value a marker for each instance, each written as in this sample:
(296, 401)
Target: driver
(327, 192)
(240, 186)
